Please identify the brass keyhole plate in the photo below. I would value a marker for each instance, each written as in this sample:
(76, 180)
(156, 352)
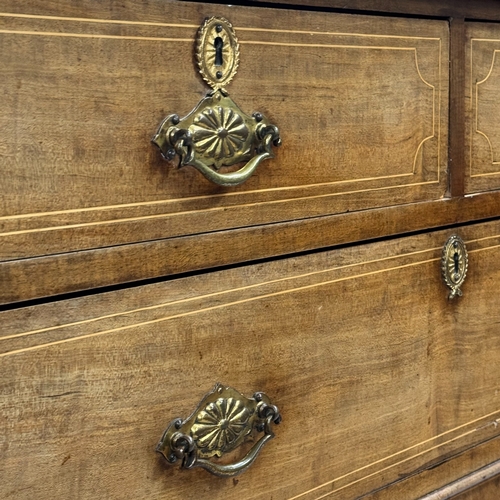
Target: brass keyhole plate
(217, 52)
(454, 264)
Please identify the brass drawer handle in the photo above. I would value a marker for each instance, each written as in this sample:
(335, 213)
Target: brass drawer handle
(223, 420)
(217, 133)
(454, 265)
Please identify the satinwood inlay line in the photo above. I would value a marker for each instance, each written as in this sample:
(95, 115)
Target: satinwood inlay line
(248, 29)
(475, 104)
(265, 283)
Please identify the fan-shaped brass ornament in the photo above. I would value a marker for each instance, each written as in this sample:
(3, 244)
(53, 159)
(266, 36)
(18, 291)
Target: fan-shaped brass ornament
(223, 421)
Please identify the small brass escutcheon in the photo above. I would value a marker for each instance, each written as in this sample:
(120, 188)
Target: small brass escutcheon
(223, 420)
(217, 52)
(454, 264)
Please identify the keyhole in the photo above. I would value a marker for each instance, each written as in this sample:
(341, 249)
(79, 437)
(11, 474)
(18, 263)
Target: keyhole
(218, 44)
(456, 258)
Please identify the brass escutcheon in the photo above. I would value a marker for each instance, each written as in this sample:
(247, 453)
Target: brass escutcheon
(454, 265)
(217, 52)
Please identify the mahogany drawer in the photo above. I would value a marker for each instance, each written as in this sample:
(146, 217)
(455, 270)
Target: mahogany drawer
(377, 374)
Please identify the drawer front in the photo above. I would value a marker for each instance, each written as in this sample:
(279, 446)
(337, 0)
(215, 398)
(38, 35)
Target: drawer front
(361, 103)
(482, 80)
(376, 374)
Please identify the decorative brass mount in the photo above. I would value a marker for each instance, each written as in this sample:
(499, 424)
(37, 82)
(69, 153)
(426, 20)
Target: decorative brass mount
(217, 133)
(454, 264)
(223, 420)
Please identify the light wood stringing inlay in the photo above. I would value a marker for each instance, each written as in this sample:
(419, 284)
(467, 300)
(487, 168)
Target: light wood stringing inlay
(427, 255)
(434, 122)
(418, 261)
(475, 105)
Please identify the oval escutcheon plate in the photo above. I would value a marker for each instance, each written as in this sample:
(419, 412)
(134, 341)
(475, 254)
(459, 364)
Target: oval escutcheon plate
(217, 52)
(454, 264)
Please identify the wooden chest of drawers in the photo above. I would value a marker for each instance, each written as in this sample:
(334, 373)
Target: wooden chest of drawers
(131, 287)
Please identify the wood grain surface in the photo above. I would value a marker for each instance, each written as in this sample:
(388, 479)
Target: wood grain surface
(470, 9)
(482, 98)
(376, 373)
(52, 275)
(456, 159)
(435, 477)
(362, 104)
